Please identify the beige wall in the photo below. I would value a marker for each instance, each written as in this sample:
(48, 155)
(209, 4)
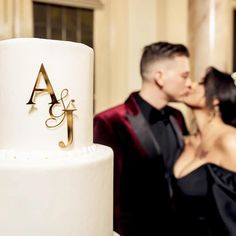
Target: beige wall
(15, 18)
(232, 9)
(142, 30)
(121, 29)
(172, 19)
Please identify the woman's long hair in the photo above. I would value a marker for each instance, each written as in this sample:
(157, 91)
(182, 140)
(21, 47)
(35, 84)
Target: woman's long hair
(221, 86)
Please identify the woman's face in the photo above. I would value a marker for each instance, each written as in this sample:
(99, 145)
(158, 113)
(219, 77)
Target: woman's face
(196, 97)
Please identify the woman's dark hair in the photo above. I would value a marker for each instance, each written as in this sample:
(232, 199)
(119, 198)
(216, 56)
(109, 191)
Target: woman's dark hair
(161, 50)
(222, 86)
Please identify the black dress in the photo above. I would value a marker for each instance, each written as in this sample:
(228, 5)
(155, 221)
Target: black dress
(205, 202)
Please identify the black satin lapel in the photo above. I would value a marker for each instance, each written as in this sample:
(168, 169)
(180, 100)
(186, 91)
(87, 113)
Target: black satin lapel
(144, 135)
(177, 132)
(179, 137)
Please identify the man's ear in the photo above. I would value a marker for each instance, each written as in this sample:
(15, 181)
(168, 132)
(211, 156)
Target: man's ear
(158, 78)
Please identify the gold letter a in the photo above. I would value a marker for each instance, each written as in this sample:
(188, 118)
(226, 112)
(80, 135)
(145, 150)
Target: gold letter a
(48, 88)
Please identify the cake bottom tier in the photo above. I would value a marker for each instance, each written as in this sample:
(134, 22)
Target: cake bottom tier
(50, 196)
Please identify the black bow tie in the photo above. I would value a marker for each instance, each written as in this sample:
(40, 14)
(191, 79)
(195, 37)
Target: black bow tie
(158, 115)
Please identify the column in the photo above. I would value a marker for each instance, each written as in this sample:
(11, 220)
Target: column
(23, 18)
(16, 18)
(6, 15)
(209, 35)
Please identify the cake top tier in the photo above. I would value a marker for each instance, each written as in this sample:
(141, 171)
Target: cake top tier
(46, 94)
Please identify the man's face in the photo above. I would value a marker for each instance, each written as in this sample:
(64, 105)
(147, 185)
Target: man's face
(176, 81)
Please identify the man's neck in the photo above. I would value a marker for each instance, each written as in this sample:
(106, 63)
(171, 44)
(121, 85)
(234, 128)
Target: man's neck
(153, 97)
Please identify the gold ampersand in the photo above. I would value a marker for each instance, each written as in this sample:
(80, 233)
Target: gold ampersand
(67, 112)
(53, 117)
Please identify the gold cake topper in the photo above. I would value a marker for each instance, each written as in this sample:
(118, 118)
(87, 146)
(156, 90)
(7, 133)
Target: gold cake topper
(66, 112)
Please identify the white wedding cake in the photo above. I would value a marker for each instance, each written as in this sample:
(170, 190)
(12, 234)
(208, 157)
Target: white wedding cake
(53, 180)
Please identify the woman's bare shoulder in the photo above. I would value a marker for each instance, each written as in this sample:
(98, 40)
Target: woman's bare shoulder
(227, 141)
(226, 145)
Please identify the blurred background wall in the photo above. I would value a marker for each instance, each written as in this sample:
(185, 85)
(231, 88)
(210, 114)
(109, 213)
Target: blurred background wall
(119, 29)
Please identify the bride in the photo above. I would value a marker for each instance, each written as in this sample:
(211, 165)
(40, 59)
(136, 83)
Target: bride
(204, 180)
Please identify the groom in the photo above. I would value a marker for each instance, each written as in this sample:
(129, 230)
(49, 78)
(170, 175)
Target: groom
(145, 135)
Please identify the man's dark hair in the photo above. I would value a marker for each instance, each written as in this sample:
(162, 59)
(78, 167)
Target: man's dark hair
(159, 51)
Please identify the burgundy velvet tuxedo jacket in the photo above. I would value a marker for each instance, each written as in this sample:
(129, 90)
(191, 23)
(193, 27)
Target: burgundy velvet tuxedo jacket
(142, 202)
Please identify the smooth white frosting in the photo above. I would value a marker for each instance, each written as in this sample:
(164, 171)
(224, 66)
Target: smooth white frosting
(64, 197)
(46, 190)
(69, 66)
